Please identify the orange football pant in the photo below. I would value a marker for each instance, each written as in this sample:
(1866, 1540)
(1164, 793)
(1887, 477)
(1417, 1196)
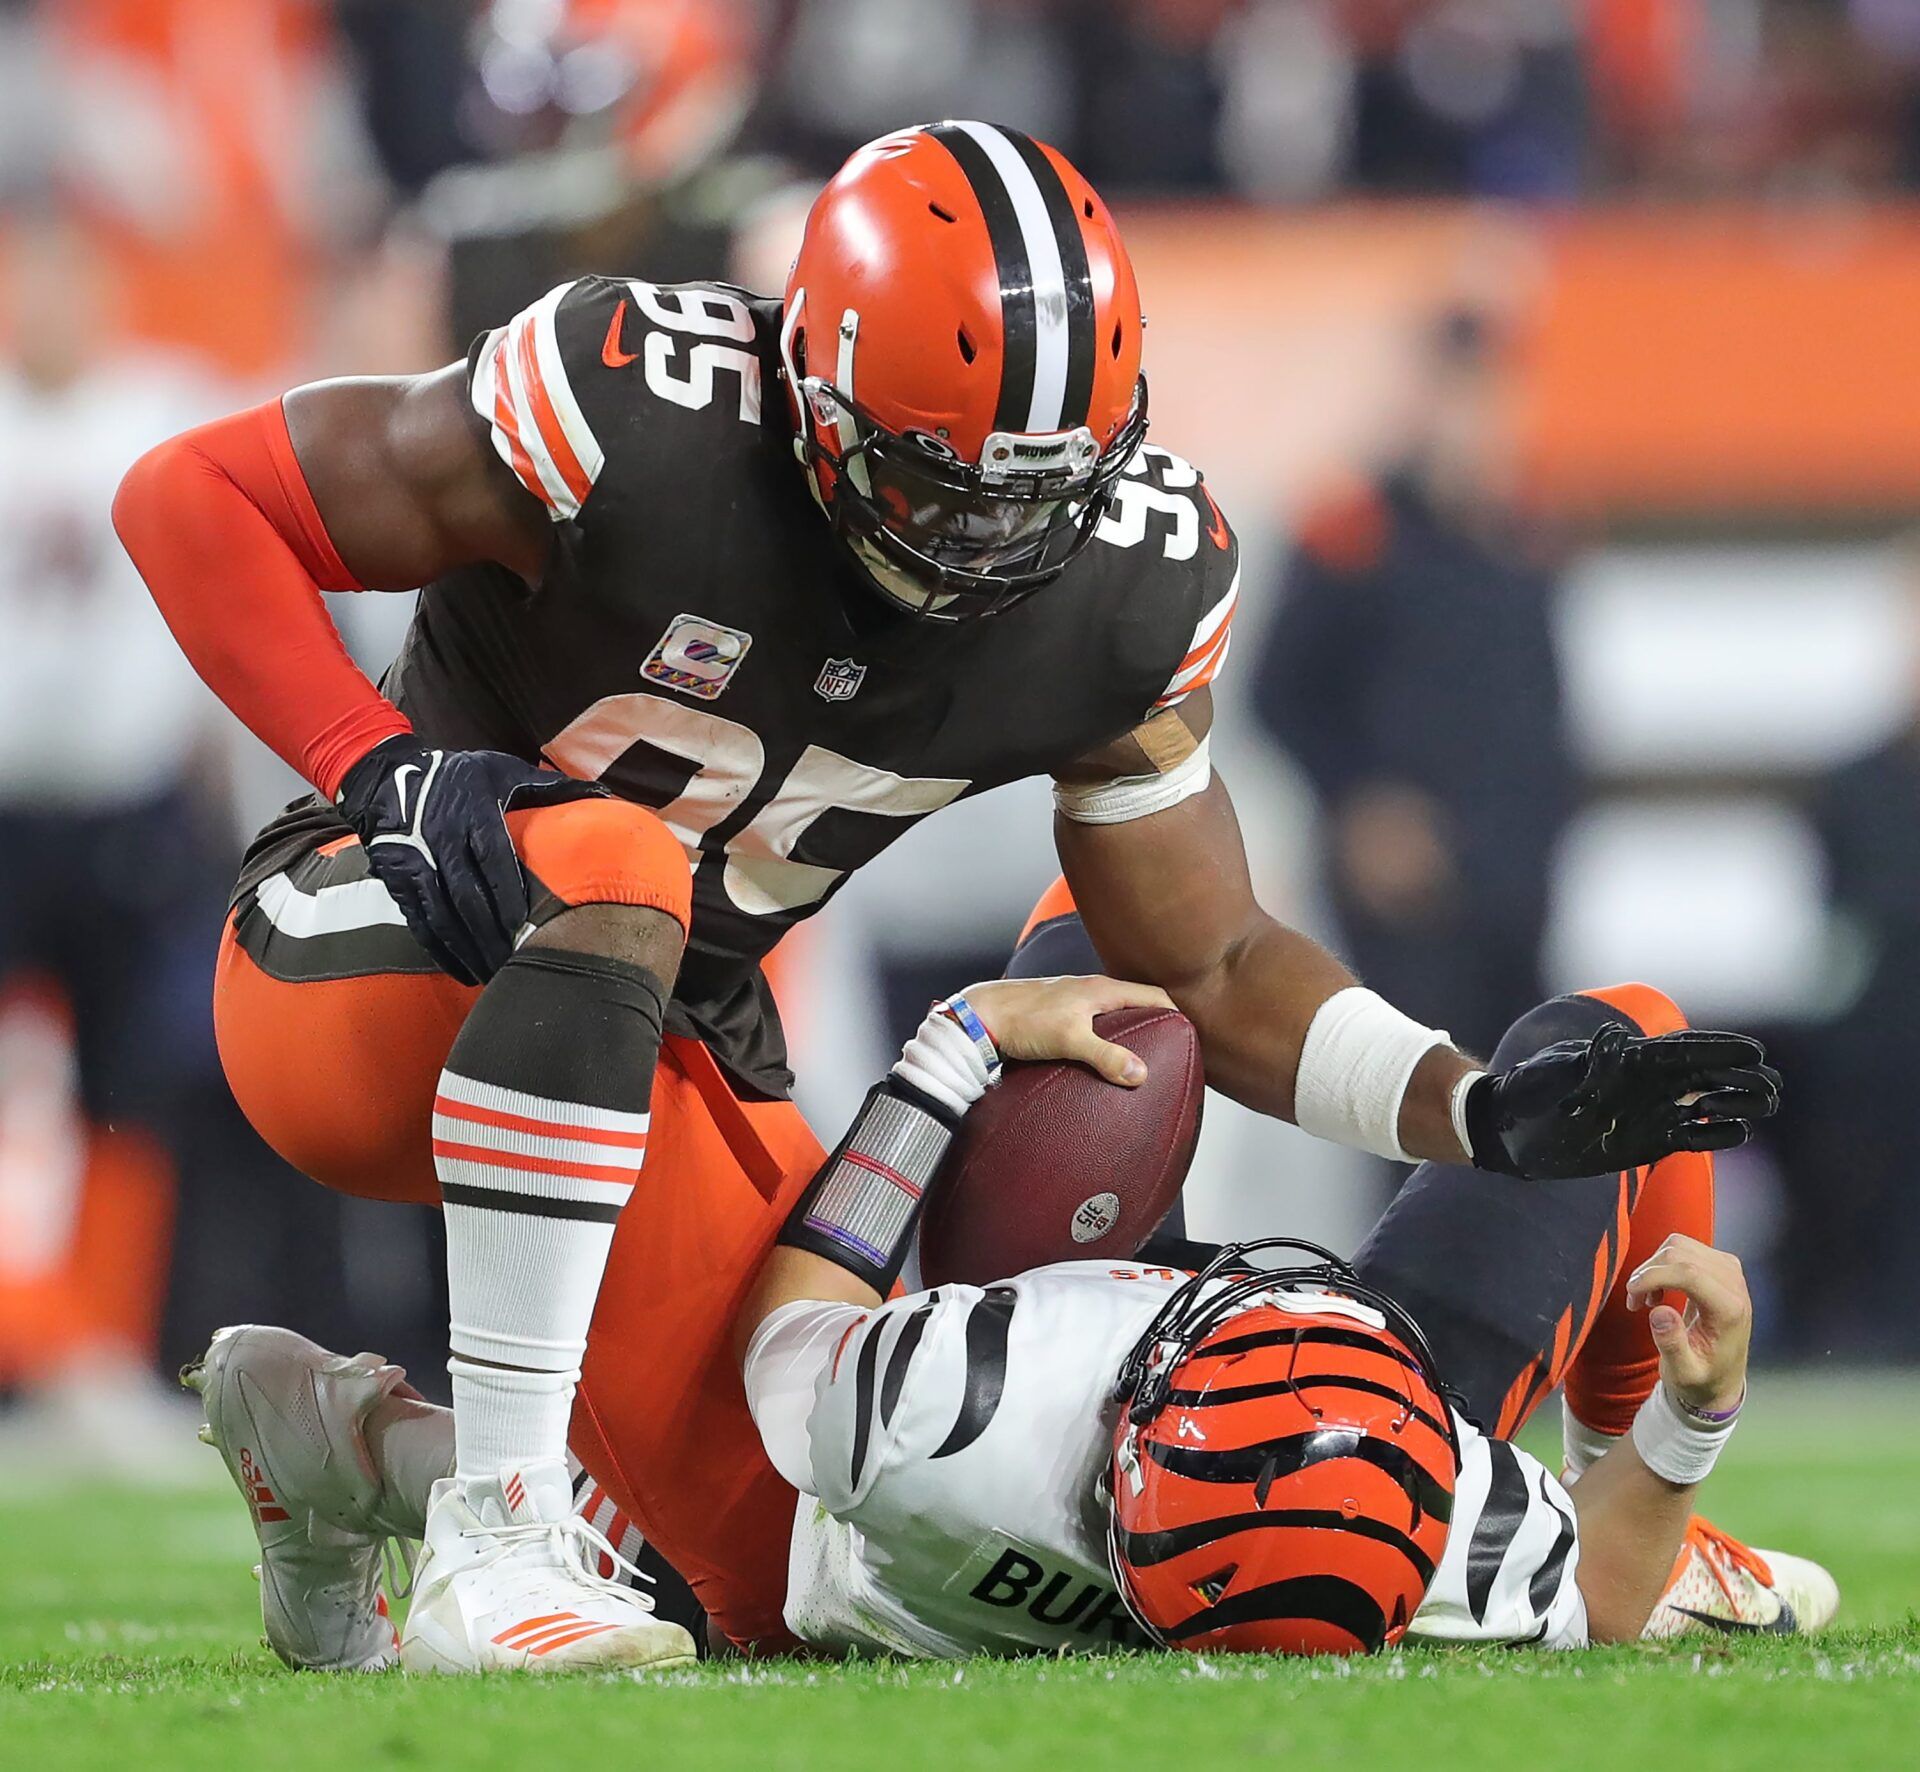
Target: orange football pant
(1613, 1368)
(1602, 1352)
(338, 1074)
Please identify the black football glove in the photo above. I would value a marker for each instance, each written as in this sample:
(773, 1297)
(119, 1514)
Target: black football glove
(1617, 1101)
(434, 826)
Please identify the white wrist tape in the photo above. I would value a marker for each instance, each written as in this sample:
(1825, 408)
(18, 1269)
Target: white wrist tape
(1358, 1057)
(1457, 1108)
(1675, 1445)
(1136, 796)
(941, 1060)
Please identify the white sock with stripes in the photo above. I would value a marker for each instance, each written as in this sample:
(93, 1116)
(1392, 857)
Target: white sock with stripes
(532, 1189)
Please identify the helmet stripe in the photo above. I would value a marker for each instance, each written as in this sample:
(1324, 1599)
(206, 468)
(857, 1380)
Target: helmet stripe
(1047, 277)
(1359, 1339)
(1267, 1460)
(1076, 280)
(1019, 318)
(1281, 1387)
(1146, 1549)
(1046, 289)
(1325, 1599)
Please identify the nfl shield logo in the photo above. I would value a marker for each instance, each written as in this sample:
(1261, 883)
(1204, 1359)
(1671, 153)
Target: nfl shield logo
(840, 679)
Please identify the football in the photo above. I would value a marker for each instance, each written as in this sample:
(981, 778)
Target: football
(1057, 1164)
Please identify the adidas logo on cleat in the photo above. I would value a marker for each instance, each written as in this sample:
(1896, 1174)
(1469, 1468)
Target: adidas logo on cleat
(260, 1497)
(541, 1636)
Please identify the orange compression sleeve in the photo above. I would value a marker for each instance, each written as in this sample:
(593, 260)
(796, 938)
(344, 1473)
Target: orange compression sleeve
(223, 527)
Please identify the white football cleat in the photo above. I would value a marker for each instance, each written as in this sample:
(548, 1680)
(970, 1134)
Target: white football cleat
(287, 1416)
(1719, 1584)
(507, 1580)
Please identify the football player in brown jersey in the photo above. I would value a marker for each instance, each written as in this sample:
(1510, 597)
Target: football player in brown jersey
(722, 595)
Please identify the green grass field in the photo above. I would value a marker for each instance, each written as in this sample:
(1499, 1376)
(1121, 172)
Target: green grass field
(129, 1639)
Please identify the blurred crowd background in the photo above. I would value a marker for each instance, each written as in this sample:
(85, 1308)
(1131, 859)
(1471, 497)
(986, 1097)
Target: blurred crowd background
(1556, 359)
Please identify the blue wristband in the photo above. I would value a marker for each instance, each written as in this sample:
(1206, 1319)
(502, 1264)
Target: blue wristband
(959, 1011)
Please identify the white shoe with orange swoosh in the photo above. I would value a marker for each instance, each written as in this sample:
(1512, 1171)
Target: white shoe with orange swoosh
(508, 1580)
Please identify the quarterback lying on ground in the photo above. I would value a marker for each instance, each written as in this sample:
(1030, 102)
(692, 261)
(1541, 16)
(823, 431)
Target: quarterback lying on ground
(1096, 1456)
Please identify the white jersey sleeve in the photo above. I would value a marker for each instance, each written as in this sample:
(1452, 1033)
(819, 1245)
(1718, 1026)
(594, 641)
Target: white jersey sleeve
(825, 1382)
(869, 1427)
(1508, 1574)
(791, 1351)
(828, 1390)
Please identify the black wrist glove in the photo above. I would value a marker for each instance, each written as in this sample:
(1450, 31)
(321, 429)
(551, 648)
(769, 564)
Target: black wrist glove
(434, 826)
(1617, 1101)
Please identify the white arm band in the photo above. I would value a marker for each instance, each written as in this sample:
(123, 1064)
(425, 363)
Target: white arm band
(1358, 1057)
(1676, 1446)
(1136, 796)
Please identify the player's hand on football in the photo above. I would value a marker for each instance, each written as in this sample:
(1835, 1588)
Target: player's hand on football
(434, 826)
(1053, 1018)
(1703, 1340)
(1619, 1100)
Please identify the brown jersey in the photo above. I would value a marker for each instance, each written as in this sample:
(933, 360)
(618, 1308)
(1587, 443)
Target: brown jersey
(702, 644)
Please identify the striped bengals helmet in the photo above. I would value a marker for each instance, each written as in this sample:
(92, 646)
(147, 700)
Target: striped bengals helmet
(1284, 1463)
(961, 339)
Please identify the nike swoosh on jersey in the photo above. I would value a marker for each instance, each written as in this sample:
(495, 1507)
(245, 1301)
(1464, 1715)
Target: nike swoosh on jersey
(610, 353)
(1217, 531)
(1784, 1624)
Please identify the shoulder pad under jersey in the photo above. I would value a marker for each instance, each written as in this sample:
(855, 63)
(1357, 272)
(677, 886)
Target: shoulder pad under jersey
(603, 366)
(1174, 567)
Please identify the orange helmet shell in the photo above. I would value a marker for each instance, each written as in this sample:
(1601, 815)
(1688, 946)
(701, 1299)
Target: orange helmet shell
(990, 285)
(1293, 1494)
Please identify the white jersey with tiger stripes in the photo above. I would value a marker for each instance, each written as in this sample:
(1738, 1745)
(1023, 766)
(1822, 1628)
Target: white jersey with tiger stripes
(950, 1449)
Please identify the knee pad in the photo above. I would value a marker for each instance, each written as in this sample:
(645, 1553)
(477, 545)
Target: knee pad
(602, 851)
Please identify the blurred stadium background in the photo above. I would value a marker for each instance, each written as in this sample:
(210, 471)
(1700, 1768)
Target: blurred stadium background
(1557, 362)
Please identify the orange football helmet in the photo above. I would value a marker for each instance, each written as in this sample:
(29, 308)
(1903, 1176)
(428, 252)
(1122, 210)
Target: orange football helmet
(962, 344)
(1284, 1463)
